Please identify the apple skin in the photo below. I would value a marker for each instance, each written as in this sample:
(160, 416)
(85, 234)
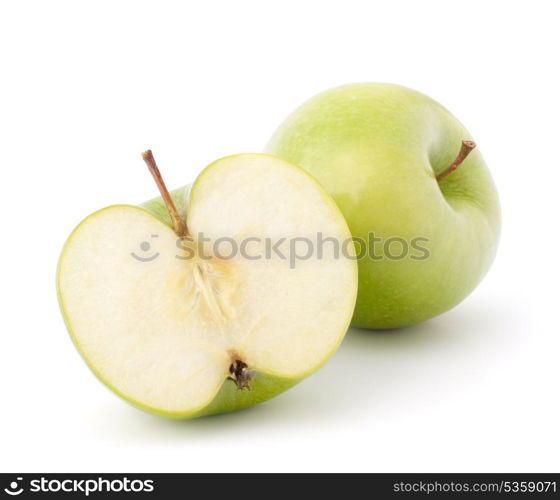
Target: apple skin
(376, 148)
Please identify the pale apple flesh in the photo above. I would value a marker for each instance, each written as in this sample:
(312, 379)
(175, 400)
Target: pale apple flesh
(377, 149)
(163, 321)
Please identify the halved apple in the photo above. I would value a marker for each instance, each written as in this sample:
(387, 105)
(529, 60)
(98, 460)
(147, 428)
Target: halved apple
(208, 310)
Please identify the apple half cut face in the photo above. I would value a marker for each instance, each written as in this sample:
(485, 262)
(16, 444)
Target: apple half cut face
(235, 312)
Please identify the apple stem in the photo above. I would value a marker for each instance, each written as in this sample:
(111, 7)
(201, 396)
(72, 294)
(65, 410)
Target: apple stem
(466, 148)
(179, 225)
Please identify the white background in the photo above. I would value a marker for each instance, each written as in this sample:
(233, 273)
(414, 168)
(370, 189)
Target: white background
(86, 86)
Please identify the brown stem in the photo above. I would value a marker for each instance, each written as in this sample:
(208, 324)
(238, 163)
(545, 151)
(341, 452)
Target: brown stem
(466, 148)
(179, 225)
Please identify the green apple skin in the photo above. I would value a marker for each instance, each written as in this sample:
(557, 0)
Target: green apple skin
(376, 148)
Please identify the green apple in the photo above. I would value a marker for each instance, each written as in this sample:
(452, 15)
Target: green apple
(377, 149)
(175, 326)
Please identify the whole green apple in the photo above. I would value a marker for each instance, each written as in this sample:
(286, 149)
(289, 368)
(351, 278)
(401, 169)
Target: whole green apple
(183, 327)
(377, 149)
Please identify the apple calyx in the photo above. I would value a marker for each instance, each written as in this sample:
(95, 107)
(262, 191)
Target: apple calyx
(466, 148)
(179, 225)
(241, 375)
